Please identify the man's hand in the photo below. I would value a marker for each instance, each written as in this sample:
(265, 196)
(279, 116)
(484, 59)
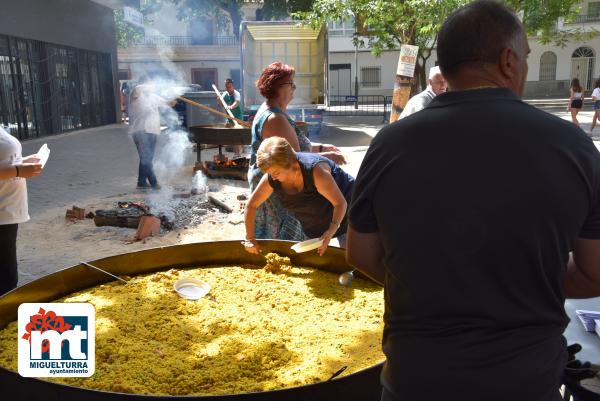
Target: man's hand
(575, 371)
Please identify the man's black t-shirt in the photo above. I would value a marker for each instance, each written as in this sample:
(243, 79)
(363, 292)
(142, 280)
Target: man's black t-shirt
(478, 200)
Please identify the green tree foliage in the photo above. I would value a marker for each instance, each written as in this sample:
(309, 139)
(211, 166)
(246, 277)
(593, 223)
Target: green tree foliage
(540, 18)
(275, 10)
(223, 12)
(386, 24)
(128, 34)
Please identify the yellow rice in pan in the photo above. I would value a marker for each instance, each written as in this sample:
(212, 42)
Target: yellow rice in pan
(257, 330)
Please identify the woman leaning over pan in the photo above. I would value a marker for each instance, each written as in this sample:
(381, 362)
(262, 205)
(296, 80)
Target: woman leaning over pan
(276, 84)
(313, 188)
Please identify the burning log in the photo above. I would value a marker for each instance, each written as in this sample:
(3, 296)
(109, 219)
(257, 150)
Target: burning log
(129, 217)
(128, 214)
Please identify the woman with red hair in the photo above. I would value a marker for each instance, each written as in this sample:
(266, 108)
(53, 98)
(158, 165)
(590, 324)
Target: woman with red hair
(276, 84)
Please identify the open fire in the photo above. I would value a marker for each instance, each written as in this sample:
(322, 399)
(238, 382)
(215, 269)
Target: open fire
(223, 167)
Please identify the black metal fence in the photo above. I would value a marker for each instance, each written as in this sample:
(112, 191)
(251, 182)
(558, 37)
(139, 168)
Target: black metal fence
(361, 105)
(163, 40)
(46, 89)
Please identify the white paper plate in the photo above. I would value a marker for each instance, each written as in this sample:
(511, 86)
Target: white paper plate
(307, 245)
(191, 288)
(43, 154)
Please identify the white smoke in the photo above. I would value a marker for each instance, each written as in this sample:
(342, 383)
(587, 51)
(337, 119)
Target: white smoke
(174, 155)
(199, 186)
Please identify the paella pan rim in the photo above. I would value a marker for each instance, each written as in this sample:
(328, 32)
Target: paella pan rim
(360, 385)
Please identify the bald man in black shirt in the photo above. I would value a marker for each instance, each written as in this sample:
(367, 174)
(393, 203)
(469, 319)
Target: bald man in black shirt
(471, 226)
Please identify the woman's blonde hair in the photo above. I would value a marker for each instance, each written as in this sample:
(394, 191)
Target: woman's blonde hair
(275, 151)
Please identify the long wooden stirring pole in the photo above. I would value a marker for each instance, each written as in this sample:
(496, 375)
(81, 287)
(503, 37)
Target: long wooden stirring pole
(223, 103)
(203, 107)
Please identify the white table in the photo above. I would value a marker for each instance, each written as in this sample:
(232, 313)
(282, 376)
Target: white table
(575, 333)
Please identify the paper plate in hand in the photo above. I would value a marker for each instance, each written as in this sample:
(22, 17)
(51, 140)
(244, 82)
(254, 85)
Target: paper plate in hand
(307, 245)
(43, 154)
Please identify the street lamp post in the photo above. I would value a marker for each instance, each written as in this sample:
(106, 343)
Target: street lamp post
(356, 69)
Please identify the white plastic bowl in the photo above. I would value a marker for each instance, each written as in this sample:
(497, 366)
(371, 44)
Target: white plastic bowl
(191, 288)
(307, 245)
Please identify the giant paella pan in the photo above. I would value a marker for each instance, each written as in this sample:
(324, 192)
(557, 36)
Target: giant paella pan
(284, 333)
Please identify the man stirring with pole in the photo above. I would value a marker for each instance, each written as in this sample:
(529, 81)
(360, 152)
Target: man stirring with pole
(232, 101)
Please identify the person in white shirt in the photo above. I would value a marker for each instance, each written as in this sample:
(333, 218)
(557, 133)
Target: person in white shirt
(14, 169)
(144, 125)
(437, 85)
(596, 100)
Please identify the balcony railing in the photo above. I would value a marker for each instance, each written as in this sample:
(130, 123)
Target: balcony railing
(585, 18)
(187, 41)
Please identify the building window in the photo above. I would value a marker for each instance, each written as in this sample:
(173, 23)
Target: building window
(370, 77)
(548, 66)
(594, 9)
(205, 77)
(583, 52)
(237, 78)
(124, 75)
(341, 28)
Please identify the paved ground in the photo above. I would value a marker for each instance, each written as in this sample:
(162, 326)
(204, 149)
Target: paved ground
(102, 161)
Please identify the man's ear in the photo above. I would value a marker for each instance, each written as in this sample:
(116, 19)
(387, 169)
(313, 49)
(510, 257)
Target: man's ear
(507, 61)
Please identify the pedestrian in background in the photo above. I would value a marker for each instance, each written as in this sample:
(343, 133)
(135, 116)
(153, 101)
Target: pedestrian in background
(596, 100)
(14, 170)
(144, 125)
(575, 100)
(436, 85)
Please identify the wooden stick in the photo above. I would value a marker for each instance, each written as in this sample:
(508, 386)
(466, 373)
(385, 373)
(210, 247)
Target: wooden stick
(223, 103)
(203, 107)
(219, 203)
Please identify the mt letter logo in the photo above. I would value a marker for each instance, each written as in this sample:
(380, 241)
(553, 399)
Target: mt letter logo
(56, 340)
